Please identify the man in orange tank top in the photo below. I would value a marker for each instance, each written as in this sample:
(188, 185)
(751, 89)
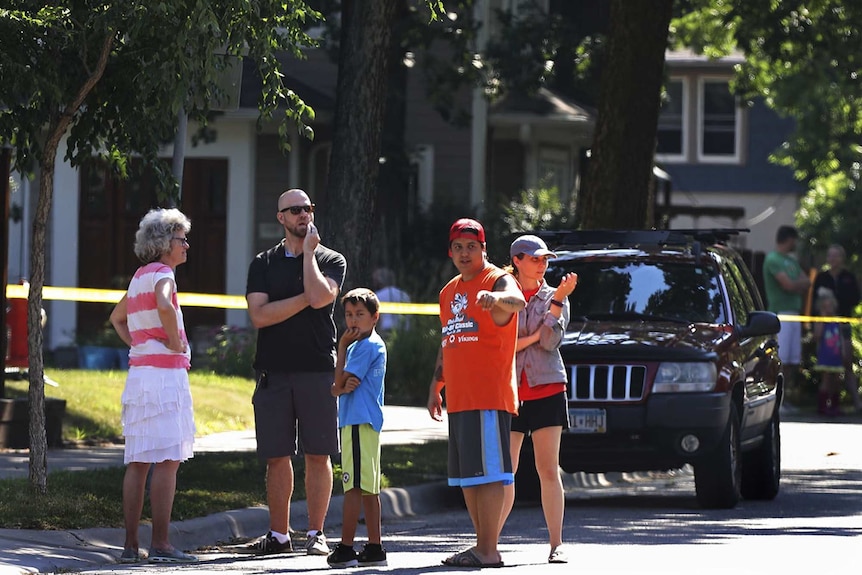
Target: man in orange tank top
(479, 330)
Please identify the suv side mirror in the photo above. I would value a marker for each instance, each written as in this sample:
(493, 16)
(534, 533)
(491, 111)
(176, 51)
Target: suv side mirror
(760, 323)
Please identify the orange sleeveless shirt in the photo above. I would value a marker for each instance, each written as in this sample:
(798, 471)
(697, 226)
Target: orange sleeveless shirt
(478, 355)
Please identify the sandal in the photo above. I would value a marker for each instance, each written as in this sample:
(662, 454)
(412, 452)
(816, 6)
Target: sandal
(171, 556)
(468, 558)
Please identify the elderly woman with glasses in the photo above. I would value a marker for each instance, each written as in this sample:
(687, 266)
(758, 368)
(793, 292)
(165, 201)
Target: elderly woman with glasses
(157, 416)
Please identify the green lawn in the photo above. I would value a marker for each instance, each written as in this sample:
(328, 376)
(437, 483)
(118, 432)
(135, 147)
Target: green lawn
(222, 403)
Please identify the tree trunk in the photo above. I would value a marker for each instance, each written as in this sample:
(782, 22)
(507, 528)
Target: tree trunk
(57, 126)
(354, 163)
(618, 192)
(392, 209)
(38, 470)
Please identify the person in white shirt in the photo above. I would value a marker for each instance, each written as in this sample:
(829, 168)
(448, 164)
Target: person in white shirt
(383, 280)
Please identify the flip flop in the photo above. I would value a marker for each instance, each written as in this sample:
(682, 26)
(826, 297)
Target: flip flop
(468, 558)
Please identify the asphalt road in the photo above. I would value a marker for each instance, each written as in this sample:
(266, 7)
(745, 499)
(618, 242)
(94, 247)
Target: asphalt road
(644, 525)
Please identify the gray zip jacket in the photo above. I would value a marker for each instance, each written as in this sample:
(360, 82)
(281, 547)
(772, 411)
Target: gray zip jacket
(542, 360)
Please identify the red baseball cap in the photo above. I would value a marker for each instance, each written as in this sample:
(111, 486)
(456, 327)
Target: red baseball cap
(466, 227)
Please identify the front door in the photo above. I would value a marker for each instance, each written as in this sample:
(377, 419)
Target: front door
(110, 210)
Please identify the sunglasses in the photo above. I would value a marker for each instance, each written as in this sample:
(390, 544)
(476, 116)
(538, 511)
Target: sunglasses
(296, 210)
(183, 241)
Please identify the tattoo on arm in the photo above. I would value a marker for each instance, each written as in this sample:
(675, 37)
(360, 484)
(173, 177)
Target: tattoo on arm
(502, 283)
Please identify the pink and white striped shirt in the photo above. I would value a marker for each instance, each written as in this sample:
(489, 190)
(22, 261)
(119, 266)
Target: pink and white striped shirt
(145, 326)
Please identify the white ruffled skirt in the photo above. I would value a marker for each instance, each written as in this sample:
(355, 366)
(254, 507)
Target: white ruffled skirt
(158, 415)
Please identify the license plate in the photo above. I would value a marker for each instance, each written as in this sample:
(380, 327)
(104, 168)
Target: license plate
(587, 421)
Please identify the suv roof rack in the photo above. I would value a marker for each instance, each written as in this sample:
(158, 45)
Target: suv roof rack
(629, 238)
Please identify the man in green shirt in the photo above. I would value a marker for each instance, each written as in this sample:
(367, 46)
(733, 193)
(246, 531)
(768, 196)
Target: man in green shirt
(785, 284)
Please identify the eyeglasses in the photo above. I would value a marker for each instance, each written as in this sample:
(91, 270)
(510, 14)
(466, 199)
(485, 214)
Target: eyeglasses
(296, 210)
(183, 241)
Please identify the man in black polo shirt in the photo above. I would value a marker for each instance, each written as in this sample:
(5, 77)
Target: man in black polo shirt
(843, 284)
(291, 292)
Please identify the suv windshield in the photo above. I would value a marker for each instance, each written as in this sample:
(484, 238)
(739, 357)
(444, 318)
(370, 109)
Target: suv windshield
(655, 291)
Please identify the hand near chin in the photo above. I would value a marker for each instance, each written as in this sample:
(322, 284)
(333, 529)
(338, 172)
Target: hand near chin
(350, 335)
(312, 238)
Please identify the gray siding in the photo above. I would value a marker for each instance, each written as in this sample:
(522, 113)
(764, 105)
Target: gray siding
(451, 144)
(765, 132)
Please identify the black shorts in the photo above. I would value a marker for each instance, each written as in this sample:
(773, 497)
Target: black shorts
(285, 403)
(538, 413)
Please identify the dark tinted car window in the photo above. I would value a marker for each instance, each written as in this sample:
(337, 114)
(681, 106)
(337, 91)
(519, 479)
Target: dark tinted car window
(738, 302)
(670, 290)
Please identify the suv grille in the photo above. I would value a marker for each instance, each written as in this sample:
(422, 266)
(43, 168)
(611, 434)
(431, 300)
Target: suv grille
(607, 382)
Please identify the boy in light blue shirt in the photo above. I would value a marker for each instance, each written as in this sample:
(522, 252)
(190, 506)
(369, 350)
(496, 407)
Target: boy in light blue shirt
(359, 372)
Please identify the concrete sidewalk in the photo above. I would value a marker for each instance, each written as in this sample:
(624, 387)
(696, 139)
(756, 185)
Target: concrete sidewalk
(29, 551)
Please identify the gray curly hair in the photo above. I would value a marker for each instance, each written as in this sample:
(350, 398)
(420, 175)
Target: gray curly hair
(153, 238)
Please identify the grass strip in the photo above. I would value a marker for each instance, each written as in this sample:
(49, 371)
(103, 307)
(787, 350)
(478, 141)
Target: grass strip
(208, 483)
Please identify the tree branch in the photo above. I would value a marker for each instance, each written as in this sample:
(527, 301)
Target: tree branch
(70, 110)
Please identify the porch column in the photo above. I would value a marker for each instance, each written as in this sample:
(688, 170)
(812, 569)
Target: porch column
(479, 122)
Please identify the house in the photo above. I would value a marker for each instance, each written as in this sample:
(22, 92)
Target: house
(714, 152)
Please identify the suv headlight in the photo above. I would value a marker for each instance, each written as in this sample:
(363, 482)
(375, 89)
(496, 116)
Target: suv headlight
(680, 377)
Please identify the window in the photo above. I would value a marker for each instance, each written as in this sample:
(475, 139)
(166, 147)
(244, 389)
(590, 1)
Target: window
(554, 169)
(671, 141)
(668, 290)
(719, 115)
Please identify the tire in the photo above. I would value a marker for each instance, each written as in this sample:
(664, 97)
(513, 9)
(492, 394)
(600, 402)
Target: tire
(761, 468)
(528, 488)
(718, 475)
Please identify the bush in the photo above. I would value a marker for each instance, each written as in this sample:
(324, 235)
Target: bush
(232, 351)
(411, 356)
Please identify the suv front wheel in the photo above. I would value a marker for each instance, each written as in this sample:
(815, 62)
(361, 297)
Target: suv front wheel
(761, 468)
(718, 475)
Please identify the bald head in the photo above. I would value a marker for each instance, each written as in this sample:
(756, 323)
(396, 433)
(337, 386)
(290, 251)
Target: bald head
(292, 197)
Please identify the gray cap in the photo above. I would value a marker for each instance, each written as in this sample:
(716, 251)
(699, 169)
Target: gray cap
(530, 246)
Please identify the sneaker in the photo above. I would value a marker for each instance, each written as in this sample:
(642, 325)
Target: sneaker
(170, 556)
(267, 545)
(372, 555)
(343, 556)
(558, 556)
(131, 555)
(316, 544)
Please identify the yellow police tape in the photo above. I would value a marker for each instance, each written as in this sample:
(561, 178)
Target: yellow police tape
(238, 302)
(189, 299)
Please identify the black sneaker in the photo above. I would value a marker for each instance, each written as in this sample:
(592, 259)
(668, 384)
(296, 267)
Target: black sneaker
(343, 556)
(267, 545)
(372, 555)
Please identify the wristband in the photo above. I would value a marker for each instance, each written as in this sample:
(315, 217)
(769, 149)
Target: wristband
(556, 302)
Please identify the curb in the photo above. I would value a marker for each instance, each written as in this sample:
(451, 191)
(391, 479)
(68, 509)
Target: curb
(23, 551)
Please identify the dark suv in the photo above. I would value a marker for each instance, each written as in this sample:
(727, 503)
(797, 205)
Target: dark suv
(671, 361)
